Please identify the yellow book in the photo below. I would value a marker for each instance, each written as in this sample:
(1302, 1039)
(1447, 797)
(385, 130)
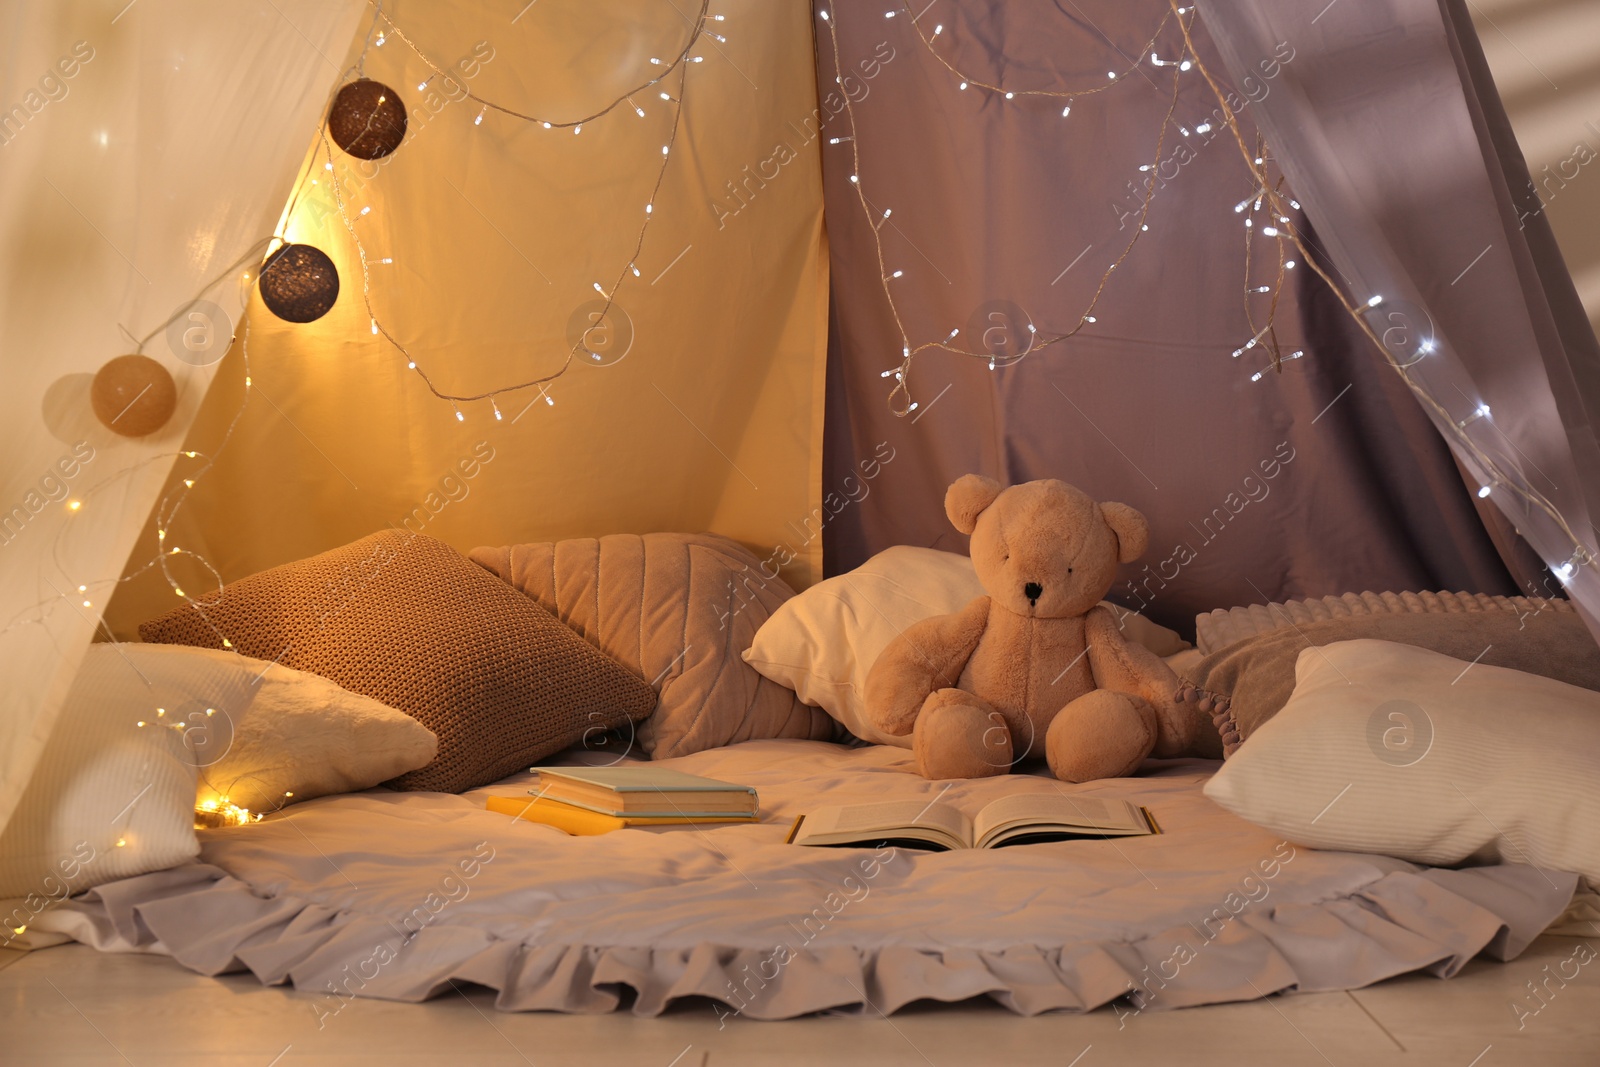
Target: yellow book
(581, 822)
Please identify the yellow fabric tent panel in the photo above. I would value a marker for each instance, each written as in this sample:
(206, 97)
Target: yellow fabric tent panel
(485, 241)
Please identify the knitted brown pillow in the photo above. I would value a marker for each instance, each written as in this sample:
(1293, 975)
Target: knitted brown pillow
(410, 622)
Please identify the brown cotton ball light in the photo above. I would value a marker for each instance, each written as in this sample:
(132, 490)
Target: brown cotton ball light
(133, 395)
(299, 283)
(368, 119)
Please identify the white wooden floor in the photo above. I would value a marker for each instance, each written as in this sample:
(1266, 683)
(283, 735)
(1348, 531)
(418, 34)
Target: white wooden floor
(74, 1007)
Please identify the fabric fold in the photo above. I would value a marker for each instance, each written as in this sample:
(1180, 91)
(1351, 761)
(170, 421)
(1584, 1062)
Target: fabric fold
(1404, 921)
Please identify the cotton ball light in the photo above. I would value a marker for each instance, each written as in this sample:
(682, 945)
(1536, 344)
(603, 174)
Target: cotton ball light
(133, 395)
(299, 283)
(368, 119)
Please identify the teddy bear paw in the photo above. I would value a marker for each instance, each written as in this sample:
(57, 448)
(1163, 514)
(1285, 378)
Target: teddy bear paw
(1101, 734)
(959, 735)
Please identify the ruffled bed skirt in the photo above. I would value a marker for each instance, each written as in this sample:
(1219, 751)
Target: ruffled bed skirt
(1404, 921)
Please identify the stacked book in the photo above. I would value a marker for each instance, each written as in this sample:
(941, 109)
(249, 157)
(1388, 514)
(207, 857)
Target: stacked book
(595, 800)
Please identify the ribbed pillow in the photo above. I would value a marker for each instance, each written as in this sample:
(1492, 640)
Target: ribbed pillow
(1245, 684)
(1400, 751)
(411, 623)
(1226, 626)
(680, 609)
(113, 793)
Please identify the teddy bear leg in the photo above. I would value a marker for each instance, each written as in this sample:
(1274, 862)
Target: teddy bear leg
(959, 735)
(1101, 734)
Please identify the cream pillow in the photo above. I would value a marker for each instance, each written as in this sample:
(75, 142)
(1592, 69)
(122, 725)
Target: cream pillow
(823, 642)
(1397, 750)
(150, 731)
(113, 793)
(291, 736)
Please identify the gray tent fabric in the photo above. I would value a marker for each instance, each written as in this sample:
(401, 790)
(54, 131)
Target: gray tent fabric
(1318, 479)
(1393, 137)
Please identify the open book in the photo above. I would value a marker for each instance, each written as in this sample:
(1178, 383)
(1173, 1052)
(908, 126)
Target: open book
(1013, 820)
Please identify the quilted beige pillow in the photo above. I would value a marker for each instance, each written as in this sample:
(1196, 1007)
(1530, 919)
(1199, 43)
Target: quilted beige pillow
(822, 643)
(679, 609)
(411, 623)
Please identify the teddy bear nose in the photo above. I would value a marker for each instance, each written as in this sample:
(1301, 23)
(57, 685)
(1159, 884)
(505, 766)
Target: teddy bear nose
(1033, 591)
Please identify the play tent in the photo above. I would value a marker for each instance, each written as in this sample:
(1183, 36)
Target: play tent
(777, 218)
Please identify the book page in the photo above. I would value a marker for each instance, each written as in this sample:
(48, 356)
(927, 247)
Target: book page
(1058, 809)
(881, 820)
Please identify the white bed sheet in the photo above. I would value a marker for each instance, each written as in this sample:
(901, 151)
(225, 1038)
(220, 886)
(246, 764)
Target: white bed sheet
(395, 894)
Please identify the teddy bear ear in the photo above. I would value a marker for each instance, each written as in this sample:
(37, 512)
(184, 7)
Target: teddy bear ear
(1131, 528)
(966, 498)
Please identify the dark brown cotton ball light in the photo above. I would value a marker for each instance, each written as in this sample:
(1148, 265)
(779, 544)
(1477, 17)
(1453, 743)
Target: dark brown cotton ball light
(299, 283)
(133, 395)
(368, 119)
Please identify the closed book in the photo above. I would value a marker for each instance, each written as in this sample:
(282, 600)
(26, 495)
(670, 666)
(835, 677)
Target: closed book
(645, 791)
(581, 822)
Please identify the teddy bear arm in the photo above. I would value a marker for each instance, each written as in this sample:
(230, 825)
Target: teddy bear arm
(1125, 666)
(927, 656)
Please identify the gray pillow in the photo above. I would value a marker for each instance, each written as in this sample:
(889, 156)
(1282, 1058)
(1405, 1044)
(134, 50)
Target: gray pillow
(1248, 682)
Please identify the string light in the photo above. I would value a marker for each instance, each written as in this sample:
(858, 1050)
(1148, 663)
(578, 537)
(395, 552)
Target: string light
(677, 66)
(1508, 480)
(212, 814)
(900, 400)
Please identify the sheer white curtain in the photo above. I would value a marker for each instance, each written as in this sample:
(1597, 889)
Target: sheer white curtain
(145, 149)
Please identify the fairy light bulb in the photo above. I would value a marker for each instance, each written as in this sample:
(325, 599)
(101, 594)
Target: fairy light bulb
(1484, 492)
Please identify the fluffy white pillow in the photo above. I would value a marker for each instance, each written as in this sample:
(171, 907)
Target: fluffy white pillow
(823, 642)
(148, 731)
(1397, 750)
(297, 735)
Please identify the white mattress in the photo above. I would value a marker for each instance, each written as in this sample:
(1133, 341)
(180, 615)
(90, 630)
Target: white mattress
(394, 894)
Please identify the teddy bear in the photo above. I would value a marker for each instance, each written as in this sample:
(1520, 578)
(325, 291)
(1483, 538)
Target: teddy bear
(1038, 665)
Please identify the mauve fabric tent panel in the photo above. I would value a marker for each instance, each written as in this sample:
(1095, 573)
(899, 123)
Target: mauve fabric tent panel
(1009, 208)
(1397, 145)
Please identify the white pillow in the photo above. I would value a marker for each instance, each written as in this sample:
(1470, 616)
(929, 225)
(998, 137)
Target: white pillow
(109, 798)
(112, 798)
(1397, 750)
(297, 735)
(823, 642)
